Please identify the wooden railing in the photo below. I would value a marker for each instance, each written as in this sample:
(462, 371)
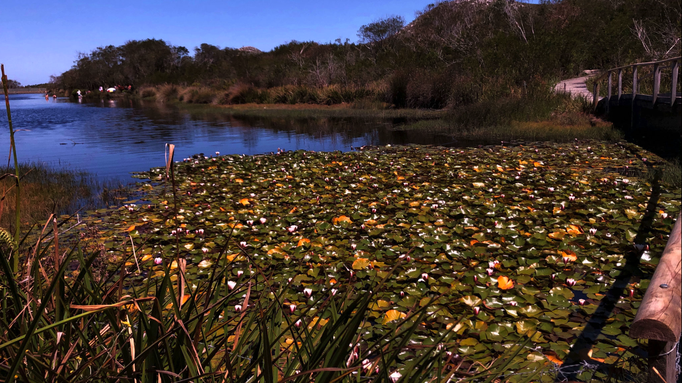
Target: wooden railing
(659, 317)
(657, 68)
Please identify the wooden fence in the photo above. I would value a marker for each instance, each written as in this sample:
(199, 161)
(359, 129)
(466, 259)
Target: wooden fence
(657, 96)
(659, 318)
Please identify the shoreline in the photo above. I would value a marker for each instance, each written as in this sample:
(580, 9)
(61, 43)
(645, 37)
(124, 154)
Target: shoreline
(313, 111)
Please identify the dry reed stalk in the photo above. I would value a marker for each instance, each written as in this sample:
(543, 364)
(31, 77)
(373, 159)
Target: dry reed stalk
(29, 262)
(57, 265)
(245, 305)
(134, 255)
(168, 155)
(182, 266)
(132, 340)
(13, 150)
(659, 375)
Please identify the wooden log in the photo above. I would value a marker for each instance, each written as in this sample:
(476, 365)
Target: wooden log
(620, 83)
(657, 83)
(675, 70)
(660, 315)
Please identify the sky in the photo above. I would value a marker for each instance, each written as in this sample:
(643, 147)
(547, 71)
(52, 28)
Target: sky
(41, 38)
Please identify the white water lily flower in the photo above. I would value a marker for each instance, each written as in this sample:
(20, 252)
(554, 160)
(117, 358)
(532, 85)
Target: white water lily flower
(395, 376)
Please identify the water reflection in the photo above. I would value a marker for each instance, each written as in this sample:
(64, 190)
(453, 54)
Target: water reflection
(114, 138)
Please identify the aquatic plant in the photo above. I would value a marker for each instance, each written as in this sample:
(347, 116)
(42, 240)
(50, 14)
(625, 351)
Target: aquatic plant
(497, 244)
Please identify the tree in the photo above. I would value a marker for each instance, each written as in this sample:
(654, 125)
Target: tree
(147, 60)
(12, 84)
(380, 30)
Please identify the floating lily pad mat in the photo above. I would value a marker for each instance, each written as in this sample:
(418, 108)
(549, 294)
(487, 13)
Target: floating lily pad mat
(508, 241)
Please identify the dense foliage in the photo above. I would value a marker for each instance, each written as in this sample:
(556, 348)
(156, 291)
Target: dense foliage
(454, 53)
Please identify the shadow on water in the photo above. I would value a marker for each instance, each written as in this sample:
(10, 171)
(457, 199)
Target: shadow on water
(658, 130)
(578, 358)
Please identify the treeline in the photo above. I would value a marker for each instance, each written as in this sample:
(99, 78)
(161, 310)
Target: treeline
(454, 53)
(11, 84)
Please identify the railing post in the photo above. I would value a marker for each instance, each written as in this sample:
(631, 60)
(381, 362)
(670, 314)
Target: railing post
(659, 317)
(595, 98)
(610, 83)
(608, 98)
(673, 89)
(634, 83)
(620, 83)
(657, 83)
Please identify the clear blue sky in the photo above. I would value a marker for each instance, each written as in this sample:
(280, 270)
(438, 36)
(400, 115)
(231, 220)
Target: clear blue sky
(41, 38)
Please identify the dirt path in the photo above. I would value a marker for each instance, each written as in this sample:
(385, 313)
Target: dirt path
(577, 87)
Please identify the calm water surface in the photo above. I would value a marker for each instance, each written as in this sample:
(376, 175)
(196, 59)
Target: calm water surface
(112, 139)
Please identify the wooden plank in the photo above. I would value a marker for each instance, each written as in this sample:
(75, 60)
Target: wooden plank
(657, 83)
(620, 83)
(673, 93)
(659, 317)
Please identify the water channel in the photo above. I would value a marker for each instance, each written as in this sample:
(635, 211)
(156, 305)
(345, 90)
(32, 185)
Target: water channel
(114, 138)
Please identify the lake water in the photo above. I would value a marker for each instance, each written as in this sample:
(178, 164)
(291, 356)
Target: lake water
(114, 138)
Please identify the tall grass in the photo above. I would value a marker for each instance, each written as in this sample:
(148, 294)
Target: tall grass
(47, 190)
(241, 93)
(63, 325)
(540, 117)
(373, 110)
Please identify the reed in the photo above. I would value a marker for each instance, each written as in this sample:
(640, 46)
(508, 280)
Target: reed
(61, 325)
(197, 95)
(47, 190)
(13, 150)
(542, 117)
(310, 112)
